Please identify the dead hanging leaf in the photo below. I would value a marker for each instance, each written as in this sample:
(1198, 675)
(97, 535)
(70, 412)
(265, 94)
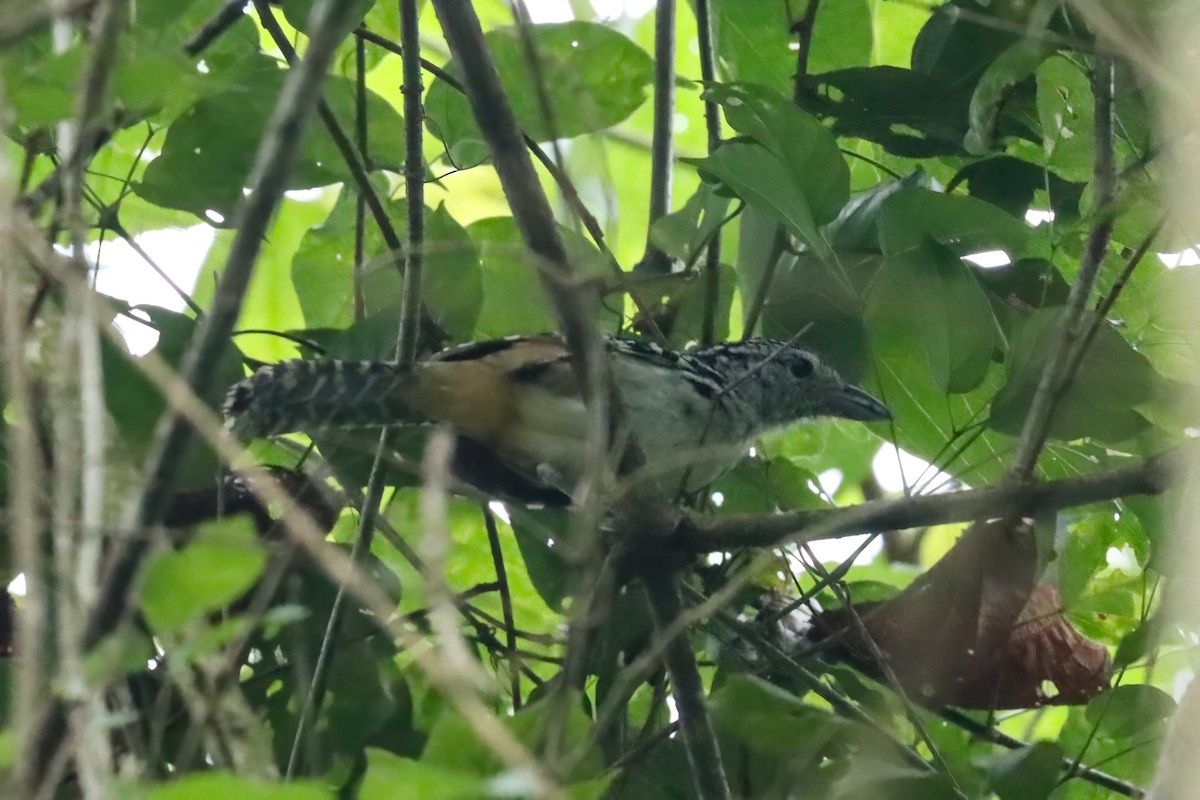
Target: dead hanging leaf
(974, 631)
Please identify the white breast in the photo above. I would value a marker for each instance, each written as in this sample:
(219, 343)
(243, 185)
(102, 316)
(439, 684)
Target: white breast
(688, 440)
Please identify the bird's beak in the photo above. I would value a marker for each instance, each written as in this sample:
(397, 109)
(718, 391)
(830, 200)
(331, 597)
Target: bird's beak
(852, 402)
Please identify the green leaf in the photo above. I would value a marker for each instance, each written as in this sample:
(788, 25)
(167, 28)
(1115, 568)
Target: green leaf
(453, 744)
(994, 92)
(207, 785)
(299, 11)
(541, 535)
(214, 569)
(809, 153)
(874, 777)
(594, 78)
(387, 774)
(857, 226)
(1011, 185)
(39, 86)
(209, 151)
(928, 295)
(1112, 378)
(1066, 109)
(761, 485)
(136, 404)
(1136, 644)
(323, 269)
(959, 47)
(1124, 711)
(769, 718)
(681, 234)
(1029, 773)
(755, 44)
(963, 224)
(513, 298)
(908, 113)
(821, 297)
(740, 167)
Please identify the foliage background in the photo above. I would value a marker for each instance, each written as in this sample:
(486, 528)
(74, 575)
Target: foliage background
(925, 134)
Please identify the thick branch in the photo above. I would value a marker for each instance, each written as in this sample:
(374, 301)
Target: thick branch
(702, 535)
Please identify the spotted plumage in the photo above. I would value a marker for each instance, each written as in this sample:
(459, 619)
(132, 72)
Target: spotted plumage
(693, 413)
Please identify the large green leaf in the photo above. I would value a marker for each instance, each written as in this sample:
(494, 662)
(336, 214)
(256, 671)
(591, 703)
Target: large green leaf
(819, 299)
(959, 47)
(215, 568)
(1112, 379)
(513, 298)
(207, 785)
(769, 718)
(1011, 184)
(1029, 773)
(965, 225)
(1066, 108)
(929, 295)
(998, 91)
(812, 181)
(755, 43)
(388, 774)
(323, 269)
(209, 151)
(910, 114)
(593, 77)
(740, 166)
(1124, 711)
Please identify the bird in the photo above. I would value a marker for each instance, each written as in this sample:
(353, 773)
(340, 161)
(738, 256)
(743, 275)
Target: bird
(516, 407)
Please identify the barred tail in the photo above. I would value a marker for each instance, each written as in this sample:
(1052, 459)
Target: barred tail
(311, 395)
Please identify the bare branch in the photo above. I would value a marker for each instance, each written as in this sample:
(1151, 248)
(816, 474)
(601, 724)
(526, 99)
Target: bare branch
(1071, 338)
(704, 535)
(662, 148)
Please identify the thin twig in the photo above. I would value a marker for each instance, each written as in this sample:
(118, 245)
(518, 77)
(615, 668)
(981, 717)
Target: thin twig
(360, 200)
(712, 126)
(217, 24)
(655, 261)
(414, 181)
(506, 607)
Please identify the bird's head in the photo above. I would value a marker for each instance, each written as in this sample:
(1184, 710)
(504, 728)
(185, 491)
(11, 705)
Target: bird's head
(784, 383)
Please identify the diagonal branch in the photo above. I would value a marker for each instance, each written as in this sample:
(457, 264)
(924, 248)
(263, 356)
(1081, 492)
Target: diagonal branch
(1067, 348)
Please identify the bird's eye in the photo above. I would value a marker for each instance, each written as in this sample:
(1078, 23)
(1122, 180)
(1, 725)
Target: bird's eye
(802, 367)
